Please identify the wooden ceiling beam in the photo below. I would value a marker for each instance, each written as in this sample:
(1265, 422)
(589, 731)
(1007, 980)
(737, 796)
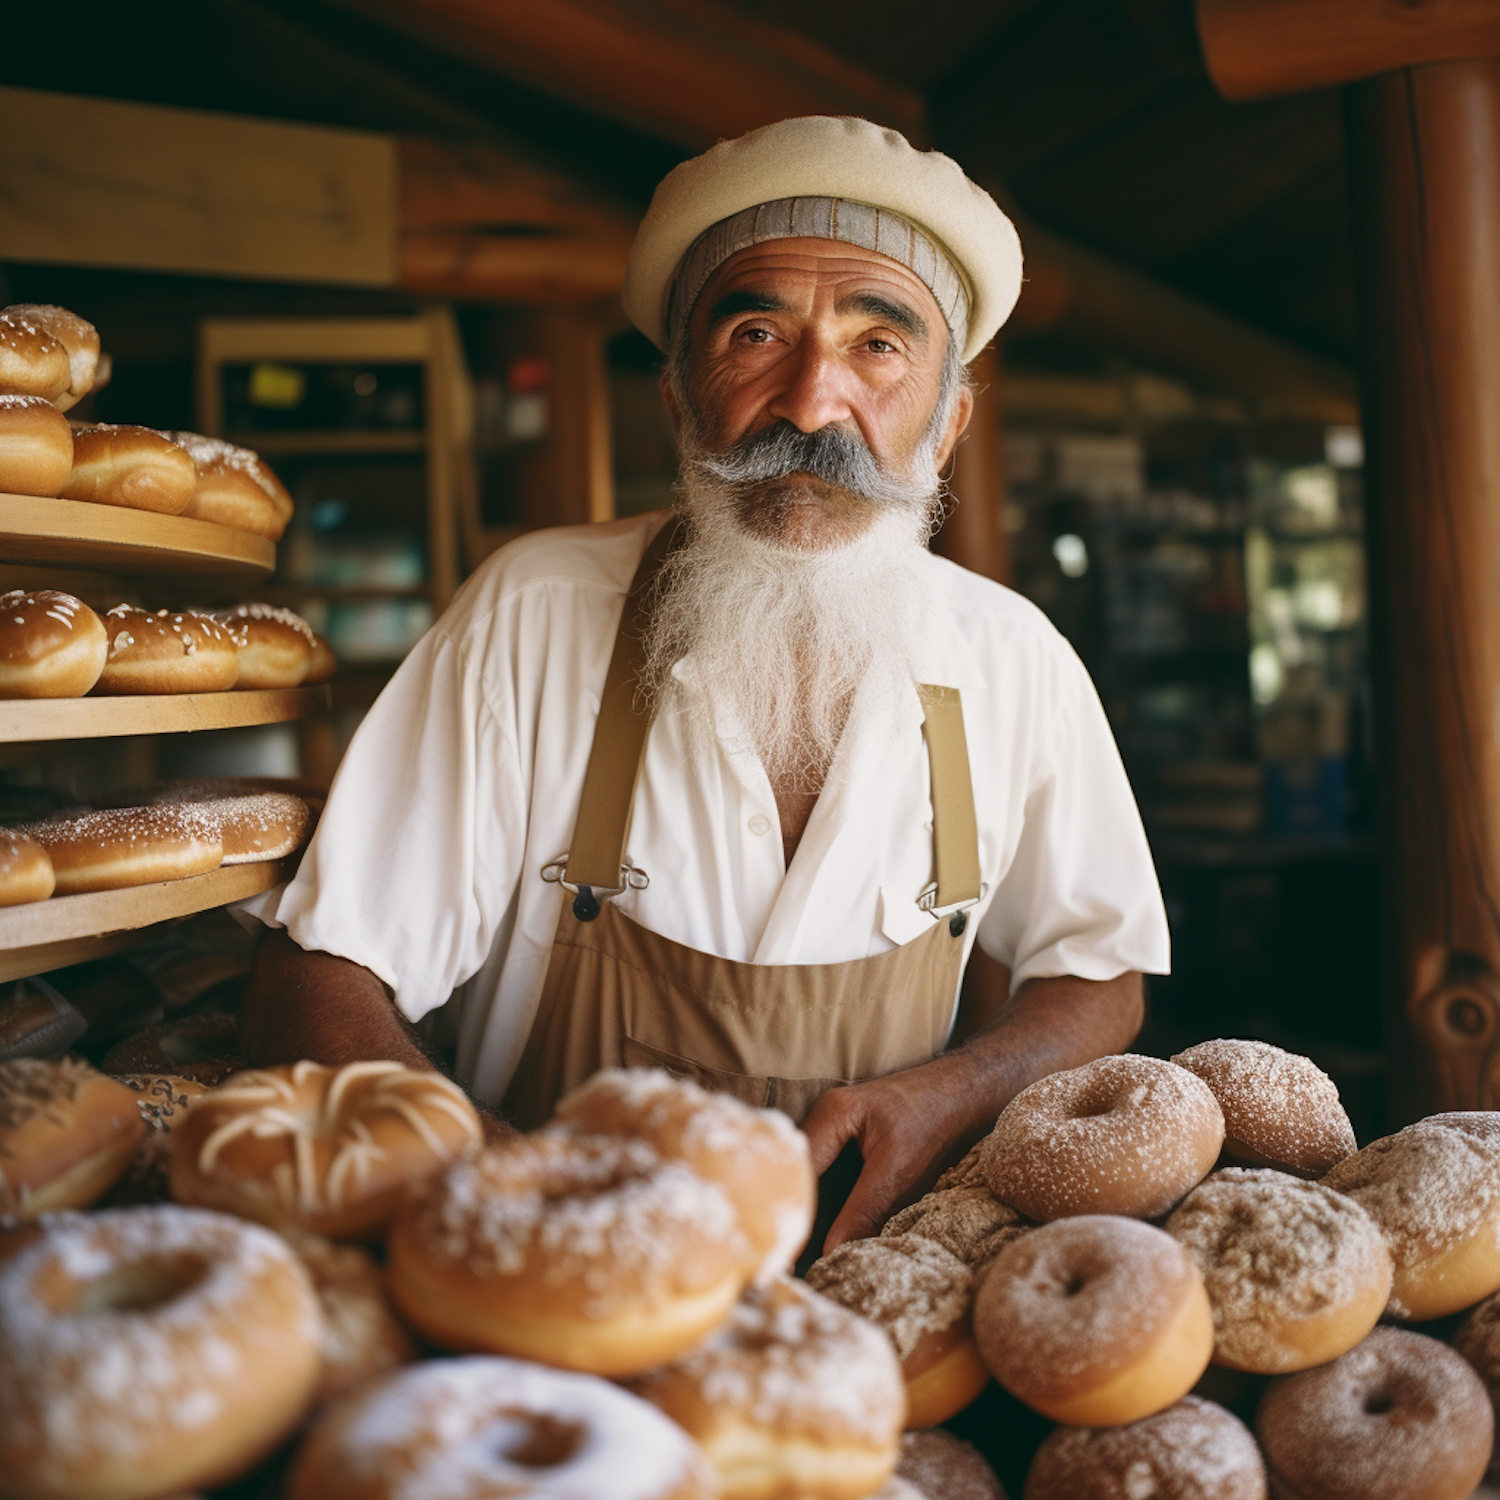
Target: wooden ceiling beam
(688, 71)
(1255, 48)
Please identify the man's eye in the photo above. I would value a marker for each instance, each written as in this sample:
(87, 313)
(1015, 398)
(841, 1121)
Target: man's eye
(757, 335)
(880, 346)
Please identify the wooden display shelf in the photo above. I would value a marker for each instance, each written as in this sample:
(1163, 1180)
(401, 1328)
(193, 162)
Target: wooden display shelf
(23, 719)
(44, 935)
(80, 534)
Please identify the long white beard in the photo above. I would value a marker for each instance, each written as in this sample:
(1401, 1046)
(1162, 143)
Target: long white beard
(784, 637)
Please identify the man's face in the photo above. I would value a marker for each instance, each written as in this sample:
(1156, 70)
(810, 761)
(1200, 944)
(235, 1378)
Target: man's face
(816, 334)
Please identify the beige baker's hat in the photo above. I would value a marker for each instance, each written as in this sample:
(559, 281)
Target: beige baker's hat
(829, 178)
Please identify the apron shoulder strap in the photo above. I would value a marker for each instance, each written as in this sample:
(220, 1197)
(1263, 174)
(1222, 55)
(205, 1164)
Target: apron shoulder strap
(955, 831)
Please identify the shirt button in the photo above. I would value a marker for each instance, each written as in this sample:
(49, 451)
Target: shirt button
(759, 824)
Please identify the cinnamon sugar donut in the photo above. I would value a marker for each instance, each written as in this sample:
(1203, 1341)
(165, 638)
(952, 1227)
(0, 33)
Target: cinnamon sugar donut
(1435, 1193)
(36, 447)
(793, 1395)
(25, 871)
(590, 1252)
(200, 1048)
(920, 1294)
(1194, 1450)
(80, 341)
(940, 1466)
(969, 1222)
(1399, 1417)
(1120, 1135)
(333, 1150)
(107, 849)
(235, 488)
(147, 1350)
(1296, 1273)
(1280, 1109)
(52, 645)
(66, 1134)
(361, 1339)
(496, 1427)
(166, 653)
(1095, 1321)
(757, 1156)
(130, 466)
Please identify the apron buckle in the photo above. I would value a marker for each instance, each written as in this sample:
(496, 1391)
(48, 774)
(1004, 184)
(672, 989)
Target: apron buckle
(957, 912)
(586, 897)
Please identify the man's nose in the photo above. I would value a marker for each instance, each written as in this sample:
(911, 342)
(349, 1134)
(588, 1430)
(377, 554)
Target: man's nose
(815, 389)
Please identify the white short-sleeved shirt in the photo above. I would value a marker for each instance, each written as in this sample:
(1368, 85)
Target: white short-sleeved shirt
(463, 783)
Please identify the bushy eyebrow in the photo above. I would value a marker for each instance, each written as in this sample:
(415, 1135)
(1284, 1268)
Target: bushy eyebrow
(897, 314)
(731, 304)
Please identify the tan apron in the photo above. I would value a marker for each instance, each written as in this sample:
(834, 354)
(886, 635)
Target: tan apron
(619, 995)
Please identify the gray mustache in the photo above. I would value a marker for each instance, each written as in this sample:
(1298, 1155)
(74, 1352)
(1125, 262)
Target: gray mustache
(833, 454)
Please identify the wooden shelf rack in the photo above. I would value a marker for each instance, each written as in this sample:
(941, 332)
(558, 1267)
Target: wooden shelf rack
(22, 720)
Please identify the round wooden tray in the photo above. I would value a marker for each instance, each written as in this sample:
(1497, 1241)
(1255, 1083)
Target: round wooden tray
(80, 534)
(23, 719)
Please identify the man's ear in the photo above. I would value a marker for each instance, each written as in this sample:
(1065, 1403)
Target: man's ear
(674, 409)
(963, 410)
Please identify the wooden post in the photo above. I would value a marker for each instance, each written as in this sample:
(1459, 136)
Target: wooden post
(1424, 146)
(972, 534)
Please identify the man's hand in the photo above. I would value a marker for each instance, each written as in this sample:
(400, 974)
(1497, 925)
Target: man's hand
(910, 1125)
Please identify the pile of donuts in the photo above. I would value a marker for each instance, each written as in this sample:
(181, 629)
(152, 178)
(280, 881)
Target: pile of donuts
(50, 360)
(337, 1276)
(1130, 1224)
(171, 832)
(52, 645)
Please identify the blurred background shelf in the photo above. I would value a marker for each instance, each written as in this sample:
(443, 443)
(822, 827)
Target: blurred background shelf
(40, 719)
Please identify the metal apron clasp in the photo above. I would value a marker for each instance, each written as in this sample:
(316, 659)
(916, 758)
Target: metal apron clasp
(586, 898)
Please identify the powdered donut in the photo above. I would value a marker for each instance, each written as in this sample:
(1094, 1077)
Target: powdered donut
(920, 1294)
(1296, 1273)
(36, 447)
(146, 1350)
(79, 338)
(166, 653)
(586, 1252)
(66, 1133)
(252, 827)
(361, 1339)
(332, 1150)
(453, 1428)
(757, 1156)
(1095, 1321)
(967, 1171)
(110, 848)
(51, 645)
(1194, 1450)
(969, 1222)
(940, 1466)
(1478, 1340)
(25, 871)
(32, 361)
(1120, 1135)
(1399, 1417)
(130, 466)
(276, 646)
(1435, 1193)
(794, 1395)
(1482, 1124)
(236, 488)
(1280, 1109)
(200, 1048)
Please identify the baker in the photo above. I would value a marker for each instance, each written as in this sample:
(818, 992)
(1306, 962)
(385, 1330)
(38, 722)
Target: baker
(737, 790)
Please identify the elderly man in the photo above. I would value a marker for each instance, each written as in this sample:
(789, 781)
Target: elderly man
(736, 791)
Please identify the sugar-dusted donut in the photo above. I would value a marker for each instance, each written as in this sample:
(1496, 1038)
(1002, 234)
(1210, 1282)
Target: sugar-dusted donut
(361, 1339)
(200, 1048)
(496, 1427)
(276, 646)
(1095, 1321)
(1435, 1193)
(131, 466)
(25, 871)
(236, 487)
(252, 826)
(1120, 1135)
(939, 1465)
(32, 361)
(80, 341)
(757, 1156)
(1399, 1417)
(145, 1351)
(159, 652)
(591, 1253)
(1280, 1109)
(109, 848)
(52, 645)
(1296, 1273)
(1477, 1338)
(793, 1395)
(1194, 1450)
(333, 1150)
(920, 1294)
(66, 1133)
(970, 1222)
(36, 447)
